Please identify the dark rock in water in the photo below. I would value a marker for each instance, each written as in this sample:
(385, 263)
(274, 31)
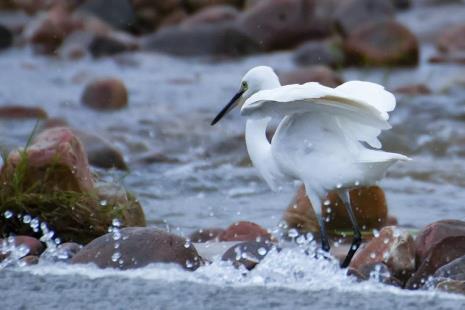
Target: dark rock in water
(106, 45)
(378, 271)
(320, 74)
(414, 90)
(100, 152)
(212, 15)
(137, 248)
(63, 252)
(6, 37)
(223, 40)
(385, 43)
(452, 286)
(19, 112)
(118, 13)
(328, 53)
(281, 24)
(352, 14)
(440, 254)
(247, 254)
(454, 270)
(434, 233)
(105, 94)
(245, 231)
(368, 203)
(29, 260)
(393, 247)
(207, 234)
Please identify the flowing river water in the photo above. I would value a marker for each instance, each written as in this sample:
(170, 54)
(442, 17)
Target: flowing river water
(203, 179)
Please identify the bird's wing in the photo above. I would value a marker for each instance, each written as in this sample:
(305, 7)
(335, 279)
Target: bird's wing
(361, 108)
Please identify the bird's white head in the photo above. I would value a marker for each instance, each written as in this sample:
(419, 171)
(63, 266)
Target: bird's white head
(256, 79)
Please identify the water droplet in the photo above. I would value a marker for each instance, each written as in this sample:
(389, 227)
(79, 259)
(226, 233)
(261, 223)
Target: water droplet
(103, 203)
(34, 224)
(372, 255)
(261, 251)
(8, 214)
(116, 234)
(189, 264)
(26, 219)
(187, 244)
(386, 241)
(339, 185)
(292, 233)
(116, 223)
(375, 233)
(116, 256)
(327, 202)
(329, 210)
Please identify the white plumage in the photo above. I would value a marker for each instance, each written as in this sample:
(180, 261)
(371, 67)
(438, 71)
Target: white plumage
(327, 137)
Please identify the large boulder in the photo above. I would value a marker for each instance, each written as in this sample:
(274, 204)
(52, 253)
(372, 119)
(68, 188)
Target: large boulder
(136, 247)
(392, 247)
(105, 94)
(20, 112)
(385, 43)
(351, 14)
(368, 203)
(224, 39)
(320, 74)
(282, 24)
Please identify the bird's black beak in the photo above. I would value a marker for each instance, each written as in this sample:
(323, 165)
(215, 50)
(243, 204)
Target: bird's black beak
(231, 105)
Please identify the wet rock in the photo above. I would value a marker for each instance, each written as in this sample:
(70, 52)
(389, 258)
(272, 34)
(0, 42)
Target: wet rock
(392, 247)
(63, 252)
(108, 45)
(137, 248)
(328, 53)
(385, 43)
(440, 254)
(284, 23)
(414, 90)
(320, 74)
(368, 203)
(454, 270)
(6, 37)
(29, 260)
(377, 271)
(118, 13)
(452, 286)
(47, 32)
(451, 45)
(224, 40)
(245, 231)
(247, 254)
(433, 234)
(20, 112)
(100, 152)
(352, 14)
(195, 5)
(56, 157)
(204, 235)
(105, 94)
(300, 214)
(34, 246)
(212, 15)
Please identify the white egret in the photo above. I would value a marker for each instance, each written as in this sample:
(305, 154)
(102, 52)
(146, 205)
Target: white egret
(327, 137)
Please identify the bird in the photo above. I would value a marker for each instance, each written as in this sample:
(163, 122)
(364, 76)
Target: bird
(327, 138)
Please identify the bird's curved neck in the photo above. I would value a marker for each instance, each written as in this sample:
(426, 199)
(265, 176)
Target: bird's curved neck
(260, 149)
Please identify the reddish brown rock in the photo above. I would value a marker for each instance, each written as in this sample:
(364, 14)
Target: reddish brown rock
(392, 247)
(351, 14)
(29, 260)
(442, 253)
(63, 253)
(414, 90)
(204, 235)
(137, 248)
(368, 203)
(247, 254)
(105, 94)
(212, 15)
(320, 74)
(454, 270)
(56, 158)
(19, 112)
(245, 231)
(34, 246)
(385, 43)
(452, 286)
(452, 39)
(379, 272)
(195, 5)
(281, 24)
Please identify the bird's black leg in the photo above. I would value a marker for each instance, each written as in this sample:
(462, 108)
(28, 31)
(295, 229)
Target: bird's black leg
(357, 240)
(315, 201)
(323, 235)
